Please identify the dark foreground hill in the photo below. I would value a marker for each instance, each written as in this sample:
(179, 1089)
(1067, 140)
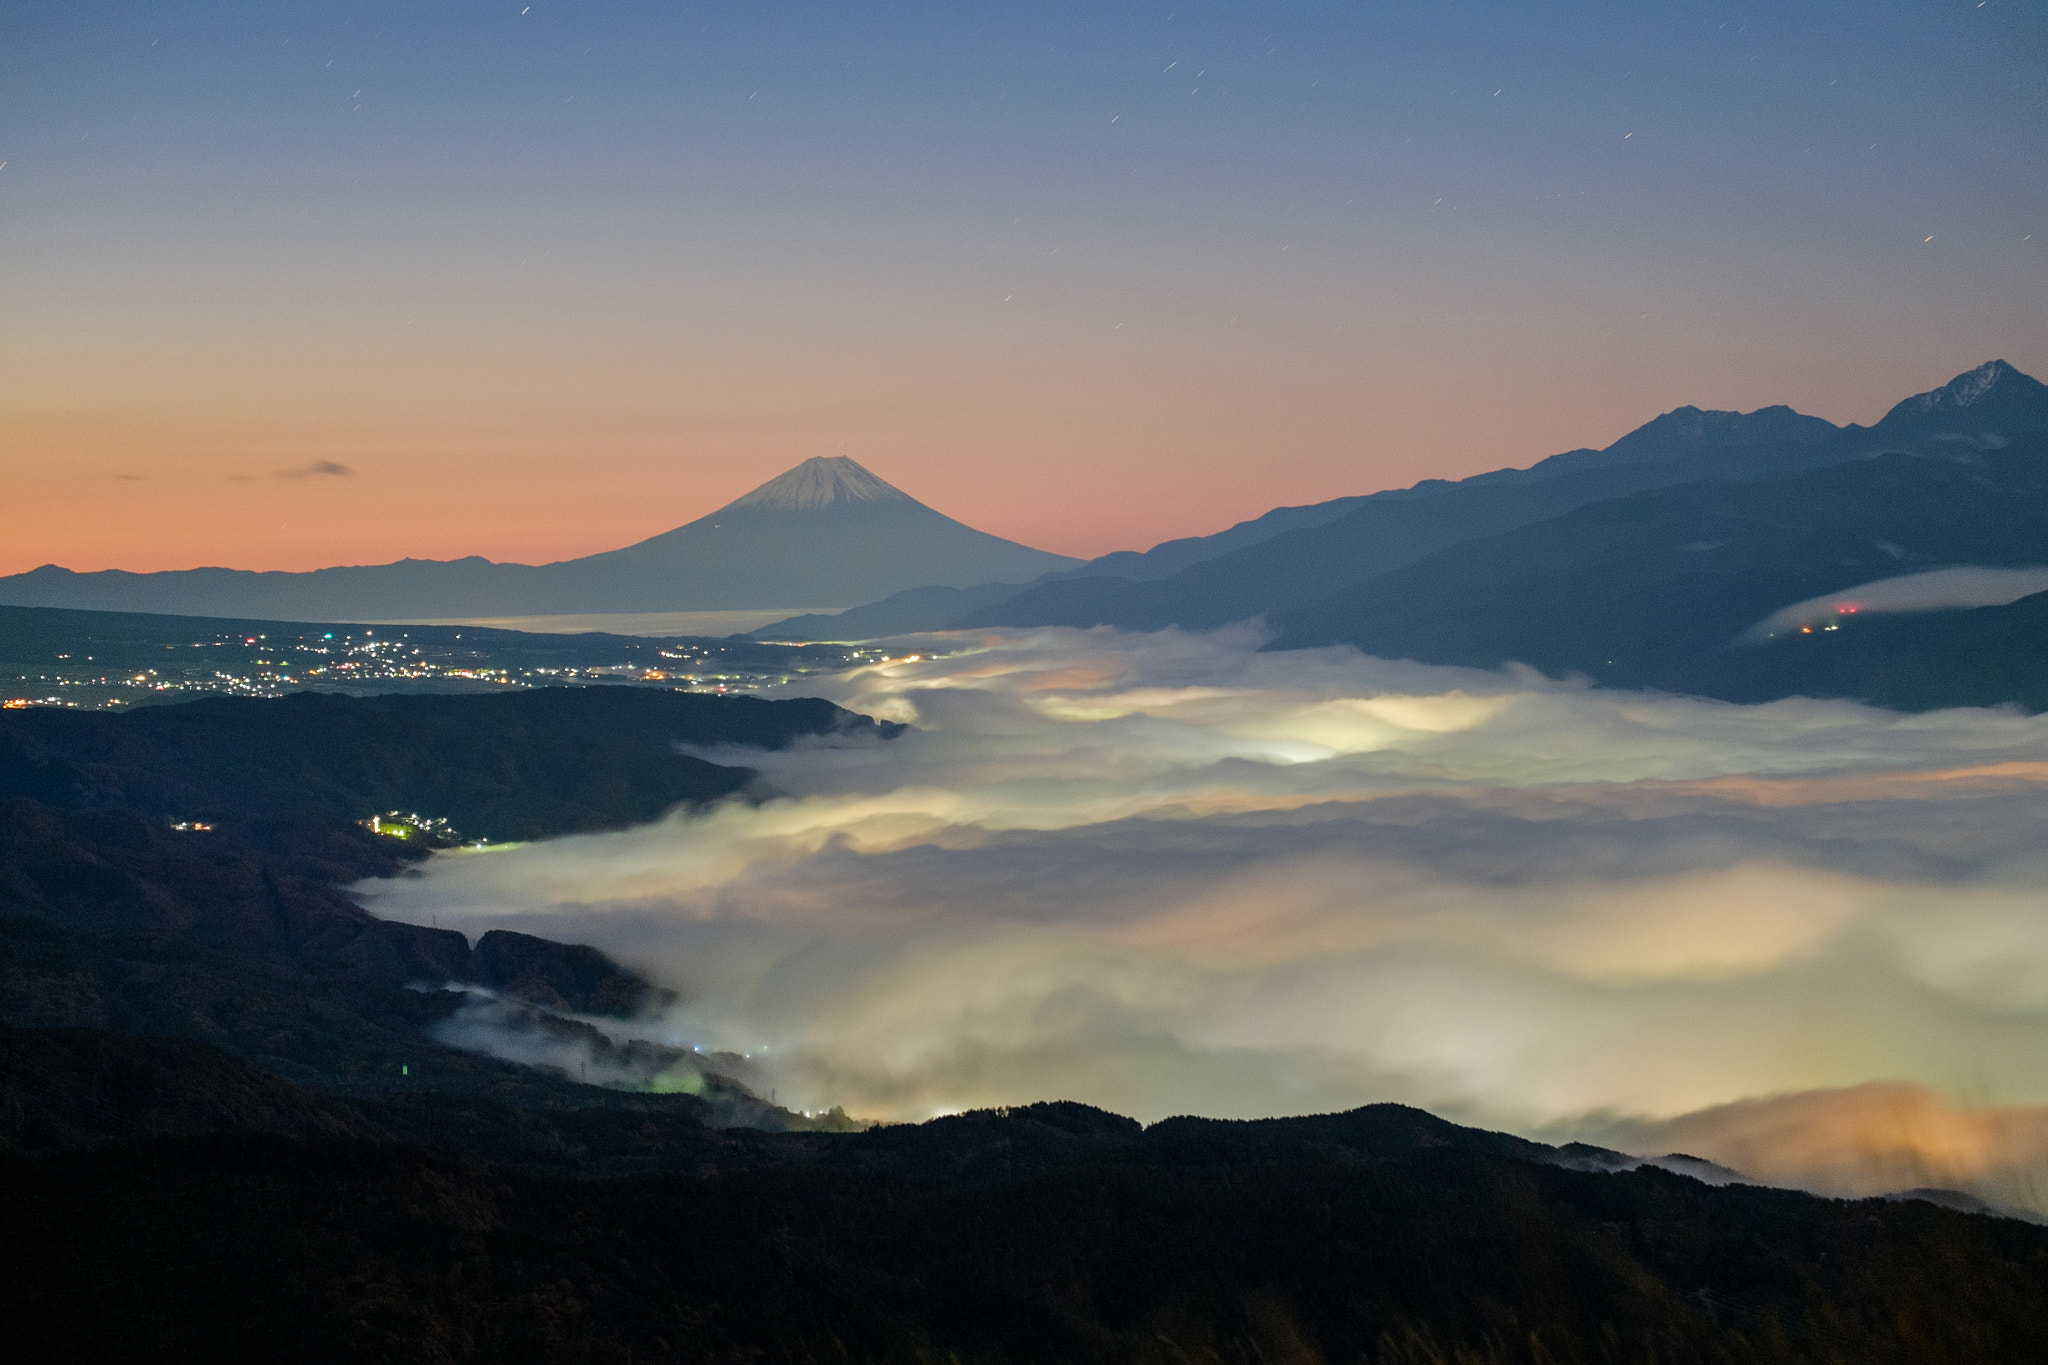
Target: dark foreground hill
(176, 871)
(498, 766)
(229, 1131)
(252, 1220)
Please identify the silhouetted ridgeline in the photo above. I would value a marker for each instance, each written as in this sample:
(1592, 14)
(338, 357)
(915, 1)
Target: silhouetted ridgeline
(1655, 590)
(165, 1202)
(1637, 566)
(509, 765)
(238, 933)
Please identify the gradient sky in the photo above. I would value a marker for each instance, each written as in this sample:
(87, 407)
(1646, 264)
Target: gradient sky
(546, 279)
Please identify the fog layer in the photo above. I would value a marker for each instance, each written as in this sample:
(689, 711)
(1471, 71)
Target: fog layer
(1171, 874)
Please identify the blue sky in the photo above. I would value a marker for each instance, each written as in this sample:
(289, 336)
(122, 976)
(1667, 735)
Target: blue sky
(622, 261)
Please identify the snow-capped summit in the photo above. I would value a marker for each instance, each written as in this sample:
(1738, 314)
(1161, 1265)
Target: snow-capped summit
(819, 482)
(1966, 389)
(1994, 396)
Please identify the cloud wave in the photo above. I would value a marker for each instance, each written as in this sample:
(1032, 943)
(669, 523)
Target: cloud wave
(1171, 873)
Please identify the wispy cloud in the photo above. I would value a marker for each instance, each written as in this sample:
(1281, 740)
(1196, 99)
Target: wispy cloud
(317, 469)
(1963, 586)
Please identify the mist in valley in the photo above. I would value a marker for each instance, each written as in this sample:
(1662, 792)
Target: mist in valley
(1170, 874)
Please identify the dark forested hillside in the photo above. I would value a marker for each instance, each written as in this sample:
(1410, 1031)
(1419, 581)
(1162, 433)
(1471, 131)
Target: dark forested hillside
(177, 871)
(506, 765)
(272, 1224)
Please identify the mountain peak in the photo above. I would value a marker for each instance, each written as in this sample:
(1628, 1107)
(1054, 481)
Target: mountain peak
(1689, 432)
(1966, 389)
(1685, 430)
(1994, 383)
(819, 482)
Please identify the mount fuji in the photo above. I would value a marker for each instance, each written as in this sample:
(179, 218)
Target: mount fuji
(826, 533)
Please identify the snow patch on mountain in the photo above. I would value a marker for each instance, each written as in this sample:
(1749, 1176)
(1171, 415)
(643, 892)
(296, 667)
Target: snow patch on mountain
(819, 482)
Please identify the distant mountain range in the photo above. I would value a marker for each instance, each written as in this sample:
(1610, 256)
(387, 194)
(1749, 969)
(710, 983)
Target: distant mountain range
(1657, 589)
(826, 532)
(1638, 565)
(1257, 563)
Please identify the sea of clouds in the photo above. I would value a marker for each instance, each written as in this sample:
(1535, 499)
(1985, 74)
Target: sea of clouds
(1172, 874)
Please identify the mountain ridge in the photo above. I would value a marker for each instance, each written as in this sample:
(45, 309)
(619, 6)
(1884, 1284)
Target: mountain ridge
(826, 532)
(1302, 553)
(406, 1228)
(1656, 590)
(1667, 437)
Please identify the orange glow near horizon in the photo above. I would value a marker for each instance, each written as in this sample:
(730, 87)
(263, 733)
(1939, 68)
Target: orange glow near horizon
(290, 287)
(1075, 437)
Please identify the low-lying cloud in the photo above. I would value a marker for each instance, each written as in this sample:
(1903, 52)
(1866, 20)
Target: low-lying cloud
(1935, 590)
(1172, 874)
(1877, 1138)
